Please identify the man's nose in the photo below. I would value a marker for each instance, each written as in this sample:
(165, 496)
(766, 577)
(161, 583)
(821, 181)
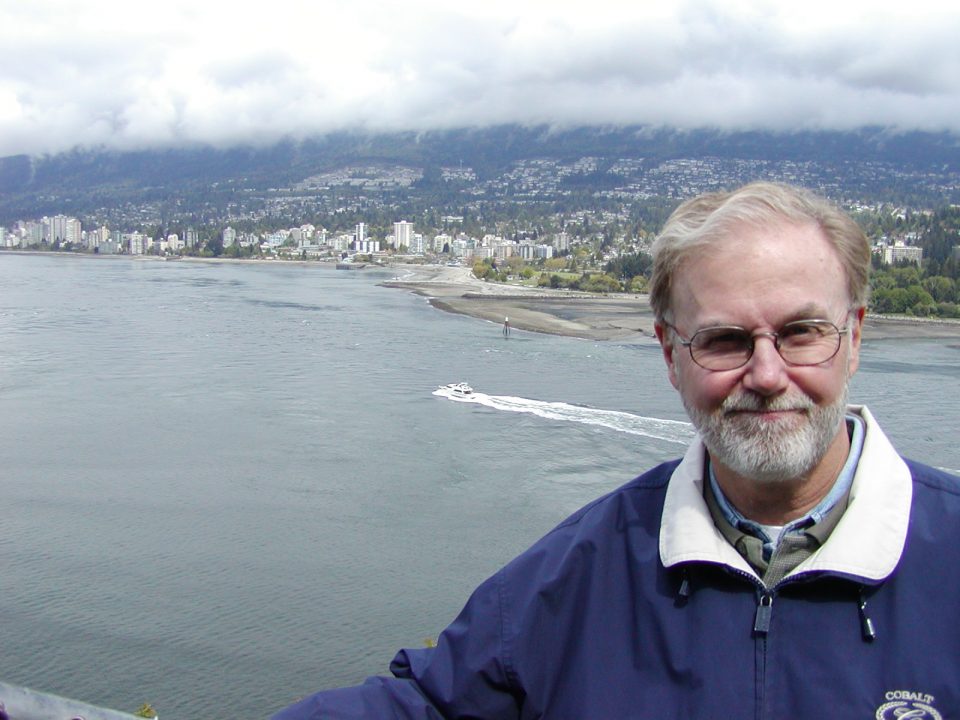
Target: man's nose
(766, 371)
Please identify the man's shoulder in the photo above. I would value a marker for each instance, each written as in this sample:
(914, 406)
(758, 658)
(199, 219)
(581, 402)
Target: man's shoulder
(933, 478)
(599, 528)
(642, 489)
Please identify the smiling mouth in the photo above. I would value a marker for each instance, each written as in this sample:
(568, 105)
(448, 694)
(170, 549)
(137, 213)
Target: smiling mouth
(766, 414)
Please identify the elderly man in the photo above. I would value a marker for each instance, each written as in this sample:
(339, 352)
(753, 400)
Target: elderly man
(790, 565)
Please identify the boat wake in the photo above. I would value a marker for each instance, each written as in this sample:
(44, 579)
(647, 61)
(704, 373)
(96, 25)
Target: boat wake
(657, 428)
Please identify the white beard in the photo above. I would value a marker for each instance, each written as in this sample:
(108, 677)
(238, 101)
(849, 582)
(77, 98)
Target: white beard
(769, 452)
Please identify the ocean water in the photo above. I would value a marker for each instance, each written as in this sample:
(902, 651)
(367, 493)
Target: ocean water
(224, 486)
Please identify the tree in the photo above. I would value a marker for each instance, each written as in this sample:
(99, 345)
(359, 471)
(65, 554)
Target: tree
(638, 284)
(515, 263)
(941, 288)
(889, 300)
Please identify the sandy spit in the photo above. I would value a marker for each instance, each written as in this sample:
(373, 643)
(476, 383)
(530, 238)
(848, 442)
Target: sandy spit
(593, 317)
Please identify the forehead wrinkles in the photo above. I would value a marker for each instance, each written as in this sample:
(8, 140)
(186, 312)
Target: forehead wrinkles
(808, 311)
(758, 277)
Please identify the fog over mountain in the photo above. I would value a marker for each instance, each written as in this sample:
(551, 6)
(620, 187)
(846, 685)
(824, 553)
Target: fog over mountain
(872, 164)
(135, 75)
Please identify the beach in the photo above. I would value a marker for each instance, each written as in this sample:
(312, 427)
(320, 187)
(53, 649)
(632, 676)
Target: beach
(591, 316)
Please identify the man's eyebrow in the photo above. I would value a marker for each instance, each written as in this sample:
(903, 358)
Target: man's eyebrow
(810, 311)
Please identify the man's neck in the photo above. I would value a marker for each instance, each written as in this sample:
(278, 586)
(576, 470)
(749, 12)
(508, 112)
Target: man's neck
(780, 502)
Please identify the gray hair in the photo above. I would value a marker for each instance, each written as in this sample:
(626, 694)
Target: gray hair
(710, 218)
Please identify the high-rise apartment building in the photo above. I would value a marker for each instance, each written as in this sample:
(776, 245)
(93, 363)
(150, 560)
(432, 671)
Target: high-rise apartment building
(402, 234)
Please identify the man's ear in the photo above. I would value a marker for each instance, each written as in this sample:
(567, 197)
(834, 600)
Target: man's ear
(667, 347)
(856, 335)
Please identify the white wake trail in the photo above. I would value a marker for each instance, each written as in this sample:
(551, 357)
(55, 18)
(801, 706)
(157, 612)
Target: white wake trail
(657, 428)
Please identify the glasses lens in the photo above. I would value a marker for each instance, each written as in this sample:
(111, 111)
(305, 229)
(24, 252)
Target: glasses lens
(721, 348)
(809, 342)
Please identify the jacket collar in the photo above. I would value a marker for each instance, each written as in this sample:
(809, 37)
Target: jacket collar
(867, 542)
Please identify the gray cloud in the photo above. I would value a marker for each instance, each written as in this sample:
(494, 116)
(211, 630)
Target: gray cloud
(126, 75)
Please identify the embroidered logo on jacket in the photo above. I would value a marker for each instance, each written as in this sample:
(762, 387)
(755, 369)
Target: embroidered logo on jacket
(908, 705)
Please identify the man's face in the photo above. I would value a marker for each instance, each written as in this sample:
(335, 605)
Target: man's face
(767, 420)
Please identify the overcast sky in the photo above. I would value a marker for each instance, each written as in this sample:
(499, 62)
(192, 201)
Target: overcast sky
(128, 74)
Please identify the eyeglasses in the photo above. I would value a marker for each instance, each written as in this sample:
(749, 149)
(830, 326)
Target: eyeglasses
(802, 342)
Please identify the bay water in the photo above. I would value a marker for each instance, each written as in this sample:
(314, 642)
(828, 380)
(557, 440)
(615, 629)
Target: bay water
(226, 485)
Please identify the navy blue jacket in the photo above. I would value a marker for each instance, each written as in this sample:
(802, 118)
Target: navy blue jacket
(636, 607)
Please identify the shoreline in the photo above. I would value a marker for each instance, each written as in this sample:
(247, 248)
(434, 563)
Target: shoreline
(598, 317)
(555, 312)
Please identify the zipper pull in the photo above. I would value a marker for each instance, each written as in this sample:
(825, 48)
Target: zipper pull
(866, 624)
(761, 624)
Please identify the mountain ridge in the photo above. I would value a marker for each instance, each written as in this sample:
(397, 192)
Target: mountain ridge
(81, 180)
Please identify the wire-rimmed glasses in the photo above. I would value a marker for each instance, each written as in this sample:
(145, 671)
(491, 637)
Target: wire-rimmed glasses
(801, 342)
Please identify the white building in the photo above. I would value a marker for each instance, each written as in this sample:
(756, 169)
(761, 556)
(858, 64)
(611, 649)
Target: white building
(137, 243)
(61, 229)
(441, 241)
(229, 236)
(544, 251)
(96, 238)
(342, 242)
(402, 234)
(417, 245)
(367, 247)
(899, 252)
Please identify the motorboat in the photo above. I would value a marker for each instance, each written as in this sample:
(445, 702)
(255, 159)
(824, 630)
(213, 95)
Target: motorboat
(460, 389)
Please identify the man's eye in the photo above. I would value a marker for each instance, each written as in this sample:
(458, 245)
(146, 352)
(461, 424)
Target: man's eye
(802, 330)
(722, 341)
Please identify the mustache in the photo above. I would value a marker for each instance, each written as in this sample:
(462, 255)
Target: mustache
(751, 402)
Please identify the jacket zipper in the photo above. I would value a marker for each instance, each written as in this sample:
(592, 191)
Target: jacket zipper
(761, 627)
(761, 623)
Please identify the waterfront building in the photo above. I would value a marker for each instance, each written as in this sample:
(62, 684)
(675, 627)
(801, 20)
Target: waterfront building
(137, 243)
(441, 241)
(462, 247)
(417, 245)
(367, 247)
(94, 238)
(341, 243)
(402, 234)
(32, 233)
